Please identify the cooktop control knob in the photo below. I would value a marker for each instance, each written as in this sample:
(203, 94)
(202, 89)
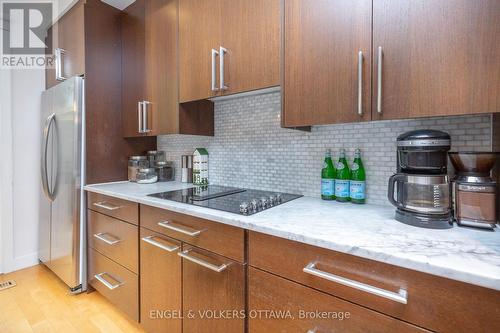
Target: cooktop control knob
(272, 200)
(244, 208)
(264, 202)
(255, 204)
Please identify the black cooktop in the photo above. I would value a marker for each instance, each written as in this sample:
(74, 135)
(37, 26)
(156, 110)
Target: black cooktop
(229, 199)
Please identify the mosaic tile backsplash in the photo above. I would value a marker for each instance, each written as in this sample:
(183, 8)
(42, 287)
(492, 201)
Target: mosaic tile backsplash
(251, 150)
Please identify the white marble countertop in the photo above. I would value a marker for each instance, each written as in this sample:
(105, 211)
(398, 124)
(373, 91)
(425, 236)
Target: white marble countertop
(367, 231)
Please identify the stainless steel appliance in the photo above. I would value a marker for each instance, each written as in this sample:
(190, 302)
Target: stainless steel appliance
(475, 196)
(229, 199)
(421, 189)
(62, 201)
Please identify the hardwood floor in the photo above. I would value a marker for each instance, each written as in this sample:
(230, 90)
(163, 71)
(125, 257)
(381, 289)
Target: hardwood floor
(41, 303)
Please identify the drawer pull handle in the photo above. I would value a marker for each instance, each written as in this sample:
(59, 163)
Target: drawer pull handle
(106, 205)
(170, 226)
(106, 238)
(150, 240)
(110, 286)
(400, 297)
(185, 254)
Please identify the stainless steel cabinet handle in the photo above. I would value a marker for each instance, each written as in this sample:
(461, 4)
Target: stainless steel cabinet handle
(214, 70)
(149, 239)
(146, 129)
(379, 80)
(140, 128)
(400, 297)
(222, 51)
(170, 226)
(58, 63)
(106, 238)
(100, 278)
(106, 205)
(185, 254)
(360, 83)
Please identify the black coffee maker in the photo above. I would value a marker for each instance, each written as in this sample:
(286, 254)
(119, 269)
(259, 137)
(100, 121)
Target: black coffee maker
(422, 195)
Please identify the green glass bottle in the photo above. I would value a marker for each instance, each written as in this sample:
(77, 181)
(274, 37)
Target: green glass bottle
(342, 179)
(328, 178)
(358, 179)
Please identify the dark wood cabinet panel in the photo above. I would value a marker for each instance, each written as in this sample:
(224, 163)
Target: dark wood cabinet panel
(302, 308)
(160, 283)
(322, 41)
(251, 35)
(133, 68)
(68, 34)
(207, 292)
(439, 57)
(432, 302)
(150, 34)
(223, 239)
(199, 33)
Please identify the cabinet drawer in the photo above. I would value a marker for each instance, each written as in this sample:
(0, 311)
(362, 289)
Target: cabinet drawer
(114, 207)
(306, 310)
(216, 237)
(115, 239)
(432, 302)
(116, 283)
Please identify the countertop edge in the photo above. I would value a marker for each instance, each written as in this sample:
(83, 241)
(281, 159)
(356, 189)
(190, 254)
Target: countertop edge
(427, 268)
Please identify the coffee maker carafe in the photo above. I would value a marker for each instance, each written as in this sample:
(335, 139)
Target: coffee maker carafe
(420, 190)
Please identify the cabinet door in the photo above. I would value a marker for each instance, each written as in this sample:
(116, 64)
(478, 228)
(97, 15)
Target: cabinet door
(438, 57)
(213, 286)
(322, 81)
(50, 72)
(160, 281)
(161, 54)
(133, 66)
(251, 36)
(199, 33)
(71, 37)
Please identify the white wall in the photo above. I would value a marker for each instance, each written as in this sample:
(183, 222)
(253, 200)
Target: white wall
(6, 238)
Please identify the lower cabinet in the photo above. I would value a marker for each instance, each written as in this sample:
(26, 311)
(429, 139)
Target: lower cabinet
(160, 282)
(116, 283)
(278, 305)
(213, 292)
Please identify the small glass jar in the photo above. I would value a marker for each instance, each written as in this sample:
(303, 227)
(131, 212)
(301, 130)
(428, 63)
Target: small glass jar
(147, 176)
(155, 156)
(135, 163)
(165, 171)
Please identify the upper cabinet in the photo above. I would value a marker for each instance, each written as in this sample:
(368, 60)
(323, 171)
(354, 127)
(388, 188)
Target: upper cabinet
(68, 46)
(327, 62)
(228, 47)
(150, 81)
(428, 58)
(435, 58)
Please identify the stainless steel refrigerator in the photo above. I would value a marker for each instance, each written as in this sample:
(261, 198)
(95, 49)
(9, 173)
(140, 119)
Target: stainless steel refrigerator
(62, 241)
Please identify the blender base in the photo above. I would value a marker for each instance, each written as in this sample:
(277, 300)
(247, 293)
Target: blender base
(424, 221)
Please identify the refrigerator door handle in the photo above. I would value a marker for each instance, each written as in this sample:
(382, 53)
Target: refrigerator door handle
(46, 135)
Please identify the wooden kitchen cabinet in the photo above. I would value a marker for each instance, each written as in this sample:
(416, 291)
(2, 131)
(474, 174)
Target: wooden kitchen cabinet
(304, 309)
(160, 283)
(438, 57)
(213, 292)
(228, 47)
(150, 69)
(326, 79)
(68, 46)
